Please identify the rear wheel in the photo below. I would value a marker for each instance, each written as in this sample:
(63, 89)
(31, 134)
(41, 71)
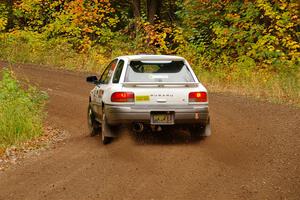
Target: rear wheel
(104, 127)
(93, 125)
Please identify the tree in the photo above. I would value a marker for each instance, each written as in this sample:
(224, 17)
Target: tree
(10, 18)
(153, 9)
(136, 7)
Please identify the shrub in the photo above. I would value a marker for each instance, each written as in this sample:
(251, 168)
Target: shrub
(3, 16)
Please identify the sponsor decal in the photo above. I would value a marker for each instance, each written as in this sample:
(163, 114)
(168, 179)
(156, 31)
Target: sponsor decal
(142, 98)
(161, 95)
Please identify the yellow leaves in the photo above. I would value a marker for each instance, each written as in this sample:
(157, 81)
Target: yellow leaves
(28, 5)
(54, 4)
(86, 44)
(221, 41)
(3, 22)
(80, 21)
(162, 37)
(290, 44)
(87, 13)
(113, 21)
(283, 5)
(225, 32)
(293, 45)
(87, 30)
(267, 8)
(232, 16)
(270, 47)
(282, 27)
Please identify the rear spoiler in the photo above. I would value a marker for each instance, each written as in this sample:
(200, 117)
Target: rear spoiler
(161, 84)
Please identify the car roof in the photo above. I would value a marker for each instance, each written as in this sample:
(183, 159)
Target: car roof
(151, 57)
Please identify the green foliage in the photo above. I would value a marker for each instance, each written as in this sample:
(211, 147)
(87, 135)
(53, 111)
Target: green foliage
(233, 42)
(245, 44)
(21, 111)
(263, 30)
(3, 16)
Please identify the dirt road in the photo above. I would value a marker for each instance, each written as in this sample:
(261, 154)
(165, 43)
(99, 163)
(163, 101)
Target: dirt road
(252, 154)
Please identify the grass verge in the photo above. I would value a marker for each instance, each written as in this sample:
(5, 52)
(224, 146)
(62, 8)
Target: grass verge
(21, 111)
(277, 88)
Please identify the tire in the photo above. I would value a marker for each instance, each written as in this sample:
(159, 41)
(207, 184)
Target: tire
(93, 125)
(104, 127)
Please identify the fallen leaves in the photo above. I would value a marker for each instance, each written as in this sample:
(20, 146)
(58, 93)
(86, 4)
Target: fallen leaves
(14, 154)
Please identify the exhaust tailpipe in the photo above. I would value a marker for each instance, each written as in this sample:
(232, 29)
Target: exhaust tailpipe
(138, 127)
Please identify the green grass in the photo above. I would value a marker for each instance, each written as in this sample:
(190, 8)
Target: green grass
(21, 111)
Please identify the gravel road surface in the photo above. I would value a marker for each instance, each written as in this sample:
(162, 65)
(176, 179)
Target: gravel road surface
(253, 153)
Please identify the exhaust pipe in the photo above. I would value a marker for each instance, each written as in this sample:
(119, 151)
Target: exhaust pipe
(138, 127)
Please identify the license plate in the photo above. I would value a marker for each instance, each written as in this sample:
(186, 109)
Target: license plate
(162, 118)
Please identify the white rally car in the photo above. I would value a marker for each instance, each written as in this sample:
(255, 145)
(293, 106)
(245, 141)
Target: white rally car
(147, 91)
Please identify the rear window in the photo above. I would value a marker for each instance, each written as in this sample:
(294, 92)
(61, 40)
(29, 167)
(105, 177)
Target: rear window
(172, 71)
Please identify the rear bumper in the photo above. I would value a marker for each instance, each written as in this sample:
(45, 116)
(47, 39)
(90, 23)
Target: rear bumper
(184, 114)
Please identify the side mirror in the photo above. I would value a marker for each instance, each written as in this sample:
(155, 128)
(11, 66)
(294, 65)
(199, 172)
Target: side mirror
(92, 79)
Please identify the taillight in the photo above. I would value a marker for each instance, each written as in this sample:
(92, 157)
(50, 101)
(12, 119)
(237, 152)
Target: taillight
(198, 97)
(122, 97)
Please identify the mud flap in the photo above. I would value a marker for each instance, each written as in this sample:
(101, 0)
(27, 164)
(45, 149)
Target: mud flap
(207, 131)
(107, 131)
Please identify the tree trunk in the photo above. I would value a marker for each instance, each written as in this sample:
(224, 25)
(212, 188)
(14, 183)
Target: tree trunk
(10, 20)
(171, 11)
(153, 9)
(136, 7)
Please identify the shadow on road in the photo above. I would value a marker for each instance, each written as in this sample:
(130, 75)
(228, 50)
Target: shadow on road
(167, 137)
(171, 136)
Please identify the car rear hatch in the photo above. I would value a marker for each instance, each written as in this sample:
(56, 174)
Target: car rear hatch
(159, 81)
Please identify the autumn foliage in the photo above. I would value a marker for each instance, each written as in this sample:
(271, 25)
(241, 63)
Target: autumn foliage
(82, 23)
(232, 41)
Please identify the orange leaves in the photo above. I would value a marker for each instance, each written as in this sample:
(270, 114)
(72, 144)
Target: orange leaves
(162, 38)
(87, 30)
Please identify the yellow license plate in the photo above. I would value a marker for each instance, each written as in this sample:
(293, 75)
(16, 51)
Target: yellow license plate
(162, 119)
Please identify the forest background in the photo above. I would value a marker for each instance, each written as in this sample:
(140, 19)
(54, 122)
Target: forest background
(248, 47)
